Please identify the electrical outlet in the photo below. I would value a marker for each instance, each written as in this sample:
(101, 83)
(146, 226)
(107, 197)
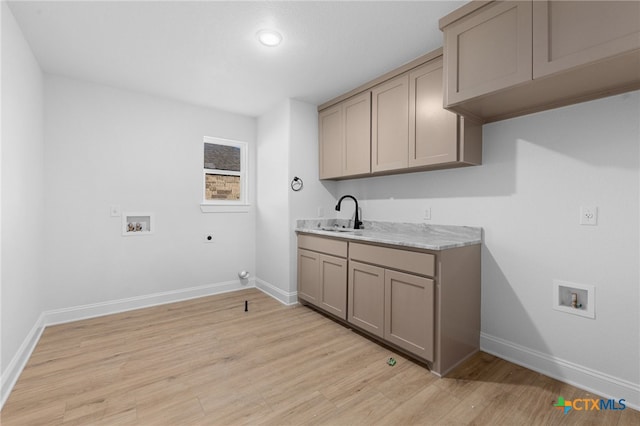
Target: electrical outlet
(320, 211)
(589, 215)
(208, 238)
(427, 213)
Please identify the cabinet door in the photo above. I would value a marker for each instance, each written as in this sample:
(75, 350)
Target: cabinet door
(390, 125)
(366, 297)
(433, 131)
(567, 34)
(309, 276)
(409, 313)
(333, 285)
(487, 51)
(357, 135)
(330, 141)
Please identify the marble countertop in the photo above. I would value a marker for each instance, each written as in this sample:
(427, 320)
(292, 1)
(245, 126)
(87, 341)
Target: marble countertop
(418, 235)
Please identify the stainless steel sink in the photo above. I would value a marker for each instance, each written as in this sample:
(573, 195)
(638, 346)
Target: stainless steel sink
(338, 229)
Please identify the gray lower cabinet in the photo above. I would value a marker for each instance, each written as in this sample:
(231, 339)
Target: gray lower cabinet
(309, 276)
(322, 274)
(395, 306)
(366, 297)
(426, 303)
(408, 312)
(333, 284)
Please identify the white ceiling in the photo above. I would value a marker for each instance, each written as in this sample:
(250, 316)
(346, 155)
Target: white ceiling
(206, 53)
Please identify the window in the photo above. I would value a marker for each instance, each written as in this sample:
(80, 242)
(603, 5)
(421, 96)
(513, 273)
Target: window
(224, 173)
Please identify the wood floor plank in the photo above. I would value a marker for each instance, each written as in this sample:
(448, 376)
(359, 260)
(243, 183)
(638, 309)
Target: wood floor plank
(362, 408)
(406, 382)
(208, 362)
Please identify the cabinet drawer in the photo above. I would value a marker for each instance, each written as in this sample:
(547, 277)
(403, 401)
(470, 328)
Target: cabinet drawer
(323, 245)
(403, 260)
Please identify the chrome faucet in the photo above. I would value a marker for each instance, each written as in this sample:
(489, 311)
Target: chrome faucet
(357, 223)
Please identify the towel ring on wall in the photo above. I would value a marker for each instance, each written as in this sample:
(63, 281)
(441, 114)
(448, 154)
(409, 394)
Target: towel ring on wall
(296, 184)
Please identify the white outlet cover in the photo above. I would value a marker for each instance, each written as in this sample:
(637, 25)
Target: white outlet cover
(589, 215)
(427, 213)
(115, 211)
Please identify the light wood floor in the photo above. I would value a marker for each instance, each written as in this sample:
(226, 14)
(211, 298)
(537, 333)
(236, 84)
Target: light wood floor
(206, 361)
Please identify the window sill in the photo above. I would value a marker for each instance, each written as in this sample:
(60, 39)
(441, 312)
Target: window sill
(221, 208)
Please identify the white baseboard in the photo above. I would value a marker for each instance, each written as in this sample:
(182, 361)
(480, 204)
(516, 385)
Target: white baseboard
(599, 383)
(19, 361)
(284, 297)
(76, 313)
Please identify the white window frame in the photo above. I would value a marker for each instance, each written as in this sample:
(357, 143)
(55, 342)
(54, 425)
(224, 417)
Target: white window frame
(227, 206)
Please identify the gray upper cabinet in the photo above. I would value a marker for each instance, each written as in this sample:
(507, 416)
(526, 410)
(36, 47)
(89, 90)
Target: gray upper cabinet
(509, 58)
(488, 51)
(438, 137)
(357, 135)
(345, 138)
(331, 141)
(403, 129)
(570, 34)
(390, 125)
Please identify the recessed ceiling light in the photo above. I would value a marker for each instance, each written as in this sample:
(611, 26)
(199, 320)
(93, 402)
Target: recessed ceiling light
(269, 38)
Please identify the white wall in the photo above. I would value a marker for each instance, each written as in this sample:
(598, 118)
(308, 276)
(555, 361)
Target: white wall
(112, 147)
(22, 193)
(287, 147)
(272, 241)
(303, 162)
(538, 170)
